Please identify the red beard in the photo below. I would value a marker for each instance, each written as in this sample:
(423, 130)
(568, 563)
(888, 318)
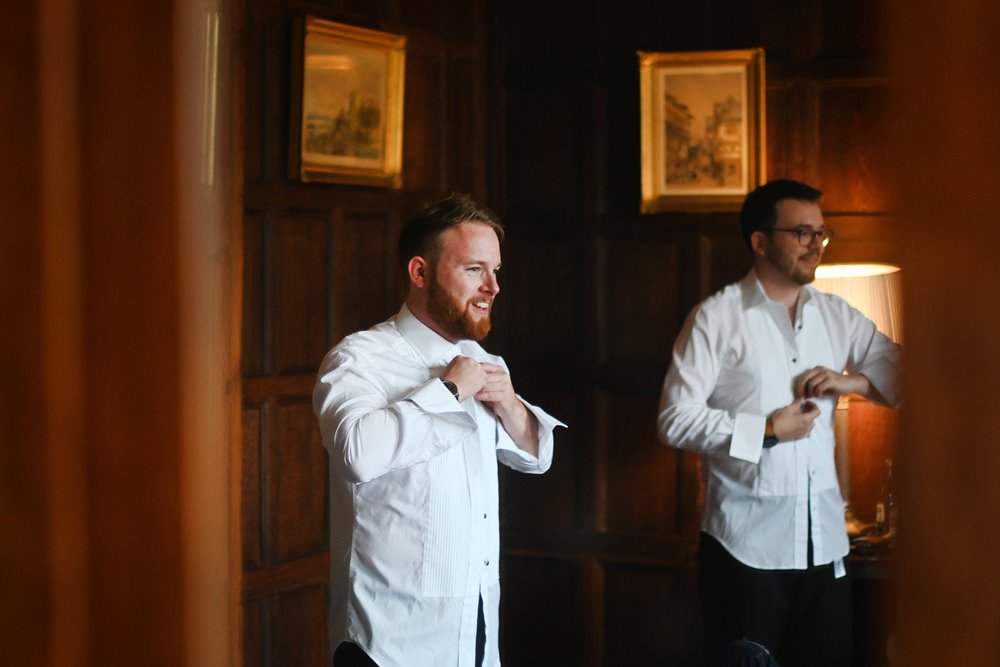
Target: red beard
(453, 316)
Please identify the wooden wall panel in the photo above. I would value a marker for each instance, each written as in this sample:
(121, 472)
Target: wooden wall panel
(251, 496)
(853, 147)
(255, 635)
(466, 169)
(729, 259)
(539, 612)
(299, 493)
(652, 617)
(298, 277)
(254, 326)
(641, 473)
(362, 254)
(424, 14)
(298, 627)
(549, 502)
(790, 110)
(423, 131)
(865, 238)
(537, 300)
(642, 292)
(543, 161)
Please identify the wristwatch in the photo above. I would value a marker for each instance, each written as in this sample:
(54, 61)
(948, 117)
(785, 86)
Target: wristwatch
(452, 387)
(770, 441)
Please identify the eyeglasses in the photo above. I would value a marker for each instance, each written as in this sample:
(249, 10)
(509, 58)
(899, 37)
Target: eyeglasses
(807, 235)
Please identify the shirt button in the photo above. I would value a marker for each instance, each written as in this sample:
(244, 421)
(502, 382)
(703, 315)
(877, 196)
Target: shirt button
(795, 360)
(486, 563)
(484, 515)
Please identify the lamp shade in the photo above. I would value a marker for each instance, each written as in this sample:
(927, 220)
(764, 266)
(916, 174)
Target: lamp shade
(874, 289)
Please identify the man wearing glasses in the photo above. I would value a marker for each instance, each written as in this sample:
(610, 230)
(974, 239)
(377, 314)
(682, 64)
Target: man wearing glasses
(752, 387)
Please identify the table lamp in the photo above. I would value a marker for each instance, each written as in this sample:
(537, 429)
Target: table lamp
(876, 290)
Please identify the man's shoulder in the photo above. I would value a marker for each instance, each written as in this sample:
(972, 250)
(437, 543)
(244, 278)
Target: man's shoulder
(726, 299)
(377, 340)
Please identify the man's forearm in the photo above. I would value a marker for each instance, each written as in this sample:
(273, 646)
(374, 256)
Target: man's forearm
(522, 426)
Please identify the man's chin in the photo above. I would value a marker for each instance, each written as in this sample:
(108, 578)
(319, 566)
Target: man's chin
(479, 330)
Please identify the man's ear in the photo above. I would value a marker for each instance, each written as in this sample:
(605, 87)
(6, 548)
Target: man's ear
(418, 271)
(758, 241)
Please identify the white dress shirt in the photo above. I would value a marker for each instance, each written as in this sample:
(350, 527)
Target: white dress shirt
(414, 531)
(734, 363)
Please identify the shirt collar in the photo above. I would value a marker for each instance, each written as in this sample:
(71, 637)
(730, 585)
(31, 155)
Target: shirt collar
(429, 344)
(754, 294)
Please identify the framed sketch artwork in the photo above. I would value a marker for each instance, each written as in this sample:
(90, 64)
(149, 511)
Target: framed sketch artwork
(702, 128)
(347, 115)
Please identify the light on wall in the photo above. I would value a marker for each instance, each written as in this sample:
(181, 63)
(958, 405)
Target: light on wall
(877, 291)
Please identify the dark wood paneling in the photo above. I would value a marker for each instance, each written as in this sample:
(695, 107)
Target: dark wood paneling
(255, 327)
(865, 238)
(423, 131)
(791, 130)
(298, 621)
(254, 635)
(297, 271)
(853, 145)
(641, 473)
(642, 293)
(543, 163)
(652, 617)
(546, 502)
(541, 613)
(424, 14)
(299, 461)
(360, 282)
(537, 300)
(466, 169)
(251, 496)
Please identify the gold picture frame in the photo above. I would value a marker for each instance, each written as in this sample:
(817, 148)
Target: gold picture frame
(347, 125)
(702, 128)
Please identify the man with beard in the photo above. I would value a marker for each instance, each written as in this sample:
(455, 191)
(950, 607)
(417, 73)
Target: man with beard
(415, 415)
(752, 387)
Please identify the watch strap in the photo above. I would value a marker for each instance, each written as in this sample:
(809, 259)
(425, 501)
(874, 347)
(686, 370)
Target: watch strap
(452, 387)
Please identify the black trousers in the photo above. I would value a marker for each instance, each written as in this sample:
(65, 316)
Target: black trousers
(803, 616)
(351, 655)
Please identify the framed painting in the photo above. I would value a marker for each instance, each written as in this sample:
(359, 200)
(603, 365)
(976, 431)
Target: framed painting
(702, 128)
(348, 124)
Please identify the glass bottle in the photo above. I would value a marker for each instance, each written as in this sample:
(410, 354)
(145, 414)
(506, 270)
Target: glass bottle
(886, 512)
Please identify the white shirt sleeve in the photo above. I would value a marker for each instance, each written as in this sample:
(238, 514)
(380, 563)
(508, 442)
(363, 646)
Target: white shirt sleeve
(874, 355)
(367, 435)
(685, 420)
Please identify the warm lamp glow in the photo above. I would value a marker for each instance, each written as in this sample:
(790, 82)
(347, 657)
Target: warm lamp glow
(877, 291)
(874, 289)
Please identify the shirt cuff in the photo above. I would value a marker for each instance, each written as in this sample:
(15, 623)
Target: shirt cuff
(433, 397)
(748, 437)
(511, 454)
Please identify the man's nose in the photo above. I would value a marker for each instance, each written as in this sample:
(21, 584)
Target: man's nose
(491, 284)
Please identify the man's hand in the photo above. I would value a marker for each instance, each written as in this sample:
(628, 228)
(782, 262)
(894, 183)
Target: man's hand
(793, 421)
(498, 394)
(822, 381)
(467, 374)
